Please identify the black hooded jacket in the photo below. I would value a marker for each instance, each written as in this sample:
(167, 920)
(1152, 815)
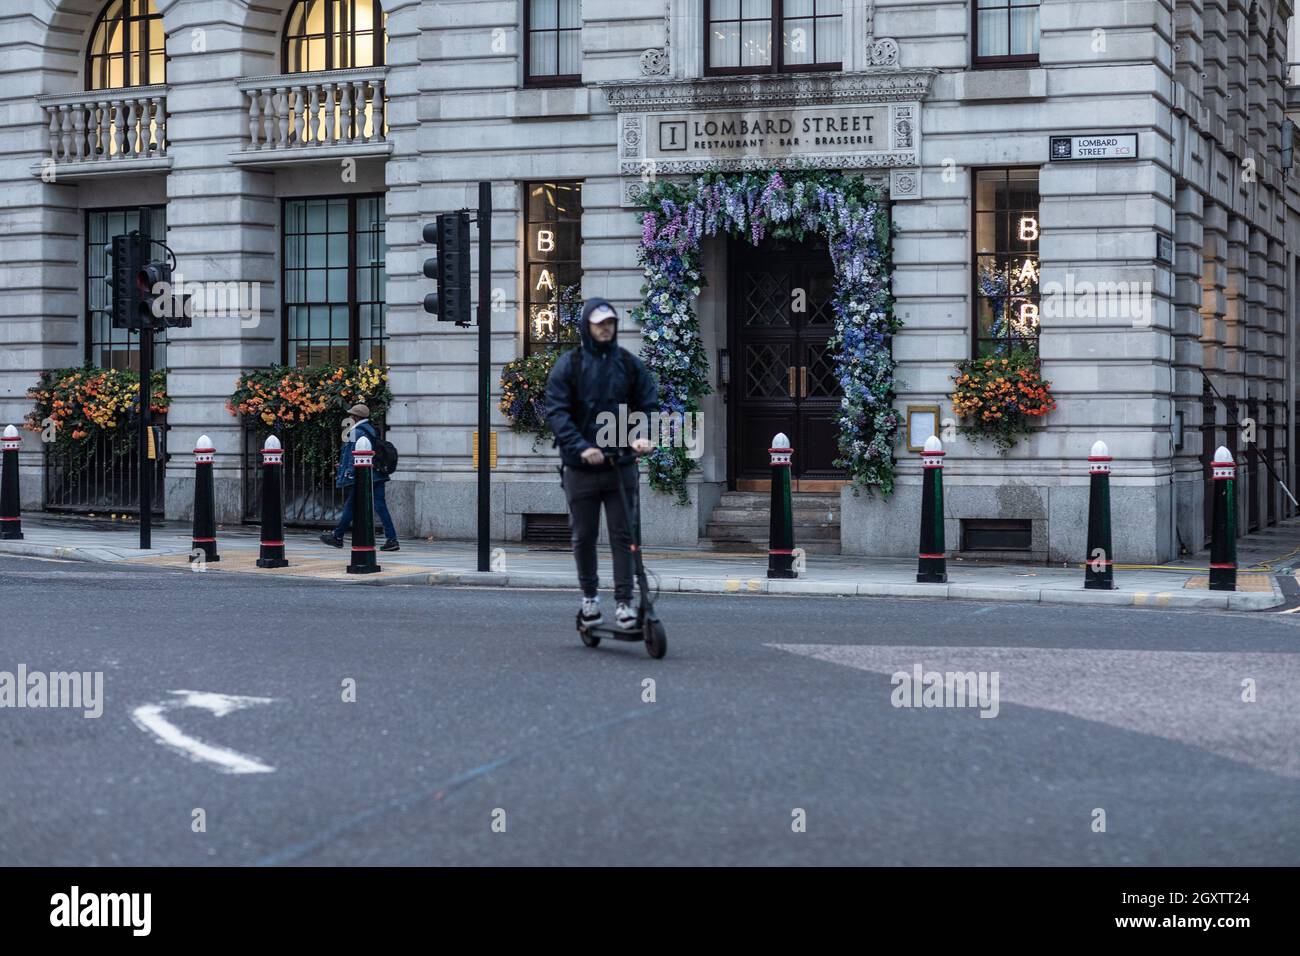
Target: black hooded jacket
(610, 376)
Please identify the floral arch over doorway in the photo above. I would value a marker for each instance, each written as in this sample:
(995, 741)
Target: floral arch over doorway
(854, 218)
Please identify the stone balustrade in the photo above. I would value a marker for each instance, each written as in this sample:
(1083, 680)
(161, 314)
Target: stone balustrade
(306, 110)
(96, 126)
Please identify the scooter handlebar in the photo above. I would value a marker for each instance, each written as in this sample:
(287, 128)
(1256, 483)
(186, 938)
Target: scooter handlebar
(619, 458)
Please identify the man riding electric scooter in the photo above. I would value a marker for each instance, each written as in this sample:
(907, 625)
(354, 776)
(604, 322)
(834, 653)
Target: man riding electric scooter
(588, 385)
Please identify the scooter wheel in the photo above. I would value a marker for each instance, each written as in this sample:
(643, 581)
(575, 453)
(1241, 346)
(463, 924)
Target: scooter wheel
(588, 638)
(656, 640)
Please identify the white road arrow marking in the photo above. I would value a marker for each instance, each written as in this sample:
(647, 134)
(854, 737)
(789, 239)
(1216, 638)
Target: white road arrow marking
(150, 717)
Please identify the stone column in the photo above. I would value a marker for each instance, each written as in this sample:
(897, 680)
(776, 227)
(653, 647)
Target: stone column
(1188, 355)
(223, 225)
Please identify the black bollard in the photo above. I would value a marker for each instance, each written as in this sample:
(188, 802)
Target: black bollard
(272, 550)
(363, 510)
(1223, 540)
(1099, 568)
(931, 565)
(780, 537)
(11, 515)
(205, 523)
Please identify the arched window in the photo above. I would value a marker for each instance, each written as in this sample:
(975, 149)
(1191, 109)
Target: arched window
(127, 47)
(334, 35)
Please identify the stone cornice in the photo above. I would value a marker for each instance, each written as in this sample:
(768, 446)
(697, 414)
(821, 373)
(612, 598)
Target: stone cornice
(875, 86)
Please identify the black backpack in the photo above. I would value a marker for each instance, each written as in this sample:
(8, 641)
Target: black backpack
(385, 453)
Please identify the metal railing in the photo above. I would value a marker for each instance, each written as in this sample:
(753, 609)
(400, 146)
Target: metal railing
(309, 496)
(101, 477)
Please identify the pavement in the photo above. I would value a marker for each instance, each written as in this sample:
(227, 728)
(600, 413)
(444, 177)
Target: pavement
(1267, 561)
(291, 721)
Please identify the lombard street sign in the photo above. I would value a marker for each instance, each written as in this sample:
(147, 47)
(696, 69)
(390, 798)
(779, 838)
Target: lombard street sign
(868, 121)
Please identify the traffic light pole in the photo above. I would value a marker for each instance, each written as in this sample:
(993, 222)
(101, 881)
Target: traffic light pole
(146, 417)
(484, 370)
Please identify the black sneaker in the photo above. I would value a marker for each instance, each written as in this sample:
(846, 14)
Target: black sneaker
(391, 545)
(328, 538)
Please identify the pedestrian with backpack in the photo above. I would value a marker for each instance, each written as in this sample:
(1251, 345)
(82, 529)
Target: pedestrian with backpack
(385, 462)
(587, 383)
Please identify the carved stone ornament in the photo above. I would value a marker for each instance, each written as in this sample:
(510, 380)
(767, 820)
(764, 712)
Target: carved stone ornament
(654, 63)
(872, 86)
(632, 125)
(884, 52)
(904, 184)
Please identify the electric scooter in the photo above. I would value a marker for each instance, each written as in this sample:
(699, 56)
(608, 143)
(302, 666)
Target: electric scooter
(648, 627)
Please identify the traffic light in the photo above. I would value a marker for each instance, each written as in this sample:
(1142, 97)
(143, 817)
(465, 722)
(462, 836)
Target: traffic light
(449, 266)
(128, 253)
(151, 274)
(164, 308)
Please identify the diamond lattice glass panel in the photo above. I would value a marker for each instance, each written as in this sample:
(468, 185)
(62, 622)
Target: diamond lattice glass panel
(765, 299)
(821, 292)
(822, 380)
(766, 368)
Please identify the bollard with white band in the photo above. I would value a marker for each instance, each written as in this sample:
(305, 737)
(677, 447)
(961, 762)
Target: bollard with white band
(271, 554)
(11, 516)
(1099, 565)
(780, 538)
(205, 522)
(931, 563)
(363, 514)
(1223, 540)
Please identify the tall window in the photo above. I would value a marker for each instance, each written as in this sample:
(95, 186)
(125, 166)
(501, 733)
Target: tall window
(740, 35)
(334, 35)
(1006, 31)
(334, 280)
(106, 346)
(126, 46)
(553, 260)
(1006, 291)
(553, 54)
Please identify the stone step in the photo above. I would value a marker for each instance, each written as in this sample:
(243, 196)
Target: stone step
(756, 499)
(759, 532)
(812, 516)
(759, 547)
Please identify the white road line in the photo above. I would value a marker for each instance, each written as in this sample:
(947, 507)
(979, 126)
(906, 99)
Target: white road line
(150, 717)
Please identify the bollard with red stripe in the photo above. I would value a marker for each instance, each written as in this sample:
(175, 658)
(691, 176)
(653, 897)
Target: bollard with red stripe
(1099, 568)
(780, 538)
(363, 513)
(1223, 538)
(205, 522)
(11, 516)
(931, 564)
(272, 550)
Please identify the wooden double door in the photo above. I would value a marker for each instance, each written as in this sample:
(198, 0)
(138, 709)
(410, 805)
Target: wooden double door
(780, 317)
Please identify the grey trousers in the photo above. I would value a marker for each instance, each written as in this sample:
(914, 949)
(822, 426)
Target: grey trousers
(586, 491)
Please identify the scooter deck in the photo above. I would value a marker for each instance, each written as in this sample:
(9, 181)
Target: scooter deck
(616, 633)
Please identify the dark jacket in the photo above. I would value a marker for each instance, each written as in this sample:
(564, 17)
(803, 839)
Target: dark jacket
(346, 476)
(611, 376)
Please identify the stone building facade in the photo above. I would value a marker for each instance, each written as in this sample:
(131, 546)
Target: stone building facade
(1131, 152)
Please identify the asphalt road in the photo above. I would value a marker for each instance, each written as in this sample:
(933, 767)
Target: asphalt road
(480, 706)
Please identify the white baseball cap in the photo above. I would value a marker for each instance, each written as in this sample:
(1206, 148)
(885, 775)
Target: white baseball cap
(601, 313)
